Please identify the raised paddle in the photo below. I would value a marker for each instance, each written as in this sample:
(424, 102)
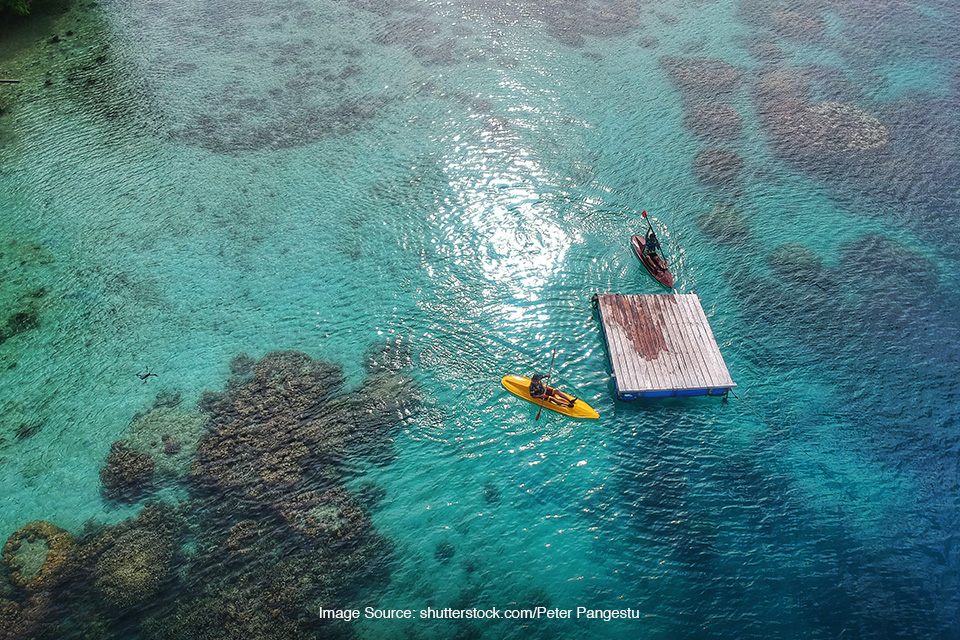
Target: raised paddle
(644, 214)
(548, 376)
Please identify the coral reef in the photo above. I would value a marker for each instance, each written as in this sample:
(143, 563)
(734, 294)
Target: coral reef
(22, 287)
(245, 610)
(834, 126)
(370, 495)
(242, 365)
(35, 618)
(394, 355)
(168, 437)
(243, 537)
(491, 493)
(571, 21)
(716, 166)
(704, 78)
(263, 425)
(714, 120)
(127, 475)
(797, 24)
(819, 134)
(270, 530)
(780, 86)
(765, 50)
(133, 567)
(795, 260)
(444, 551)
(881, 265)
(333, 514)
(37, 554)
(724, 222)
(286, 384)
(166, 399)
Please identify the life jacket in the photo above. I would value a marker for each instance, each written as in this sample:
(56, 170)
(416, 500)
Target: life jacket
(651, 246)
(537, 389)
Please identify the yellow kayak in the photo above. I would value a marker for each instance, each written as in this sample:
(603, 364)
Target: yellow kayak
(520, 386)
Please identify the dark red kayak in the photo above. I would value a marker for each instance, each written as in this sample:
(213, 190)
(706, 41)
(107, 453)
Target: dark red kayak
(655, 264)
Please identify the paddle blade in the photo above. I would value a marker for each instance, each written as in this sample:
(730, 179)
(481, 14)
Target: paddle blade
(644, 214)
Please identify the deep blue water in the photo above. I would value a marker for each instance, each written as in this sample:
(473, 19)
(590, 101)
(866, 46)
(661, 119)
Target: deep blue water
(433, 191)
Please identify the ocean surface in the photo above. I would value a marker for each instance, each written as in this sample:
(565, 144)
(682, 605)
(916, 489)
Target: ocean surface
(410, 200)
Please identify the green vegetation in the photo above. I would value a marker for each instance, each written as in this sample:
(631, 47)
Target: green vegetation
(9, 8)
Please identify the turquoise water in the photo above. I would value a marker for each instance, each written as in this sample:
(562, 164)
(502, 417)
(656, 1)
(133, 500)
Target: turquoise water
(455, 181)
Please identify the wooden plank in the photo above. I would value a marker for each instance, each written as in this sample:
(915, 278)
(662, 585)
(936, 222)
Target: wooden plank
(719, 375)
(721, 367)
(660, 343)
(690, 373)
(655, 355)
(695, 322)
(693, 366)
(636, 376)
(644, 347)
(687, 318)
(667, 359)
(617, 343)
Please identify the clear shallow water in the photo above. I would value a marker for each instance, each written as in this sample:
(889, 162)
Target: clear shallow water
(461, 178)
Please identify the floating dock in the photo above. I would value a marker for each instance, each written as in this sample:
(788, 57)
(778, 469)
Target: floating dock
(661, 346)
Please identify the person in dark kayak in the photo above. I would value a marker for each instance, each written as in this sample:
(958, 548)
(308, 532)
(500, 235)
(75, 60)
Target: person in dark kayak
(652, 245)
(541, 391)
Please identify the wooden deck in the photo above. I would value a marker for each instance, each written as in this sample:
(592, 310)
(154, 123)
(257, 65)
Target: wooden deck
(661, 346)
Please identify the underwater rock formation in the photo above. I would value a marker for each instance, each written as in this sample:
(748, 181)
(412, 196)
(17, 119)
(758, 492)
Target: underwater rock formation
(724, 222)
(127, 475)
(37, 554)
(704, 78)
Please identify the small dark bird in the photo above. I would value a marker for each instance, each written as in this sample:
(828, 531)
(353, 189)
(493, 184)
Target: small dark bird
(144, 376)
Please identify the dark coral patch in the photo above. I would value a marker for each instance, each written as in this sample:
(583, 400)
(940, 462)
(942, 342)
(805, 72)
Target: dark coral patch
(127, 475)
(714, 120)
(718, 167)
(702, 78)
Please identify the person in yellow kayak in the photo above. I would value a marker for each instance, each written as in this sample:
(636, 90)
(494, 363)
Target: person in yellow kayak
(540, 391)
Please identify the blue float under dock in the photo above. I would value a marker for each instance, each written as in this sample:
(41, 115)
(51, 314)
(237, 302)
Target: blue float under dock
(661, 346)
